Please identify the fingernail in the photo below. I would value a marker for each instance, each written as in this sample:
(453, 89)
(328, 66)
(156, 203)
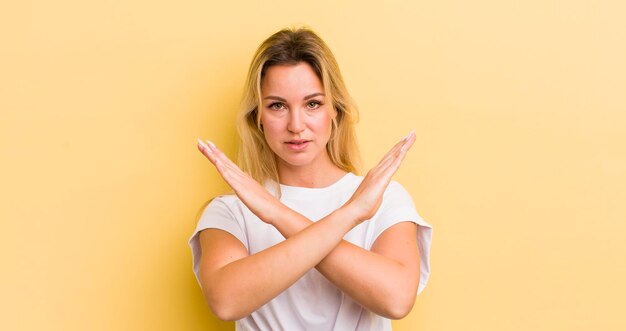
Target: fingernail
(210, 143)
(201, 143)
(409, 135)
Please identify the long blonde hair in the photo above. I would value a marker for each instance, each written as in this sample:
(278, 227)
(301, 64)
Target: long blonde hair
(291, 46)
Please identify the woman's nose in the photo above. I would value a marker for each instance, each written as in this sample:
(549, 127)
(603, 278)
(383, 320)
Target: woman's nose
(296, 122)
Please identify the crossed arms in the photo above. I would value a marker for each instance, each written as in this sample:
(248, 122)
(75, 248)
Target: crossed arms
(383, 280)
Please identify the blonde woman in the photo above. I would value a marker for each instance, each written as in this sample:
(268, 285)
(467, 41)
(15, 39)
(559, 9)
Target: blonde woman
(304, 243)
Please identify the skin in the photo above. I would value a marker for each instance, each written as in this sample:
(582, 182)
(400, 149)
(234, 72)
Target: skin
(383, 280)
(300, 113)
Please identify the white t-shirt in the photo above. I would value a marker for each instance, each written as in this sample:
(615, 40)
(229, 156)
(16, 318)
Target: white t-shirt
(313, 302)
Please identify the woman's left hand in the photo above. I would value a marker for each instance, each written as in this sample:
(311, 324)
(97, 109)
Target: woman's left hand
(252, 194)
(368, 197)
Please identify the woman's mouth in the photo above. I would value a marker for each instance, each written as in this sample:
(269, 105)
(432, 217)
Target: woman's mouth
(297, 145)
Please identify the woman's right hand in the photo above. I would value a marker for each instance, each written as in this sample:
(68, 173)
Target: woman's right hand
(369, 195)
(252, 194)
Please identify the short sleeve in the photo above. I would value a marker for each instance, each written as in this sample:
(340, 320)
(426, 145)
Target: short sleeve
(217, 215)
(398, 207)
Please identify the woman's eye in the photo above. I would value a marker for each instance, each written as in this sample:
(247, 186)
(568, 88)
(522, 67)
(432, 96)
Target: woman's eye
(277, 106)
(313, 104)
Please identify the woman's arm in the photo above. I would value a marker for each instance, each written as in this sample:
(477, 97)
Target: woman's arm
(235, 284)
(384, 280)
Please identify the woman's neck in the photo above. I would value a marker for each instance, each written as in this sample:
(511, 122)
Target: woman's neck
(310, 176)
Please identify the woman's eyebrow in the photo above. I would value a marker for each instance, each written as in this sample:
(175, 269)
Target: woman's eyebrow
(313, 95)
(273, 97)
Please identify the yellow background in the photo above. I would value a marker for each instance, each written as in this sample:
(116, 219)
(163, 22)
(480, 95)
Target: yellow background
(520, 162)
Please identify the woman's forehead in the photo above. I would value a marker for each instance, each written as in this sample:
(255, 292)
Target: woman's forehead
(293, 80)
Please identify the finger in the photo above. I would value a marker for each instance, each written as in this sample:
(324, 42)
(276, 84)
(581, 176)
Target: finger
(206, 151)
(219, 154)
(410, 139)
(396, 150)
(395, 165)
(229, 171)
(391, 164)
(392, 151)
(238, 180)
(225, 160)
(216, 157)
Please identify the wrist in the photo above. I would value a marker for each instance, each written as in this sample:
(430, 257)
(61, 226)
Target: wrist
(282, 217)
(350, 212)
(278, 210)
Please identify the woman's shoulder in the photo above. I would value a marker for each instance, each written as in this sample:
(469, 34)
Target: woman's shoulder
(397, 190)
(225, 201)
(228, 197)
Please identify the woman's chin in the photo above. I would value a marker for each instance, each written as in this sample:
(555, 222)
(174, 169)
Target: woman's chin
(297, 161)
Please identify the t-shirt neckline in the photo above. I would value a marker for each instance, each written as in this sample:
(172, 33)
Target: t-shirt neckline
(309, 192)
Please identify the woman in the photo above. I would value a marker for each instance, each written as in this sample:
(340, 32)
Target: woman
(304, 243)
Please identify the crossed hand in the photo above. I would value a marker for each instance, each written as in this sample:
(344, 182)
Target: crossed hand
(364, 202)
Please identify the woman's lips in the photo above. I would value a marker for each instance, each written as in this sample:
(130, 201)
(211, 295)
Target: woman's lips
(297, 145)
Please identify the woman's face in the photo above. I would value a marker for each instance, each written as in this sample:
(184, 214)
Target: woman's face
(296, 118)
